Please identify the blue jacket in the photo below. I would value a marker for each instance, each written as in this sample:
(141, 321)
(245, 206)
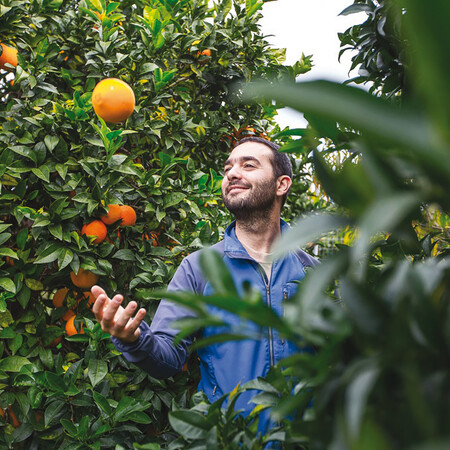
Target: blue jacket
(222, 365)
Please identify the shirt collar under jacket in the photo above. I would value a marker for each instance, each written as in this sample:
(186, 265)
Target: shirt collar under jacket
(234, 248)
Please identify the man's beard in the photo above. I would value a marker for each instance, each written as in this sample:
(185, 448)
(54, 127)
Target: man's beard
(255, 206)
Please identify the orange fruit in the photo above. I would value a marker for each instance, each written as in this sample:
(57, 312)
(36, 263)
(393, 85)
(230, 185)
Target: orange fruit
(59, 297)
(206, 52)
(128, 215)
(113, 100)
(8, 55)
(9, 261)
(67, 315)
(15, 421)
(95, 228)
(38, 416)
(112, 216)
(153, 236)
(84, 279)
(70, 327)
(90, 298)
(2, 412)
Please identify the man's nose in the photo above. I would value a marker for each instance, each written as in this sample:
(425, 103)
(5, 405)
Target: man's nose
(233, 173)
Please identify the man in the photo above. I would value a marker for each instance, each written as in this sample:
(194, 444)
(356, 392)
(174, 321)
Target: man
(256, 181)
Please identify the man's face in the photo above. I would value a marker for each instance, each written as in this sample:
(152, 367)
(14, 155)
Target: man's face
(249, 184)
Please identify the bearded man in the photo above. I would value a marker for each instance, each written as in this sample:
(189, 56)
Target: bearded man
(256, 181)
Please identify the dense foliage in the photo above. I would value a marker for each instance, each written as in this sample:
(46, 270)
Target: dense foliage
(378, 378)
(60, 166)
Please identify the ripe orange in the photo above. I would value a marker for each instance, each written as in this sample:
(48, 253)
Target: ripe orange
(113, 214)
(153, 236)
(2, 412)
(95, 228)
(9, 261)
(206, 52)
(90, 298)
(84, 279)
(8, 55)
(113, 100)
(67, 315)
(59, 297)
(70, 327)
(128, 215)
(15, 421)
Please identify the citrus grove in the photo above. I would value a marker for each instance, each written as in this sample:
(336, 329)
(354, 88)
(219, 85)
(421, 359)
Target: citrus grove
(112, 137)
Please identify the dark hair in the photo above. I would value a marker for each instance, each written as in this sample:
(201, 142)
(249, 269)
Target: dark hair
(280, 161)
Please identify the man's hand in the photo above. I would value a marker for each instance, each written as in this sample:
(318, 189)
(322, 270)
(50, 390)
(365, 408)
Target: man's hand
(115, 319)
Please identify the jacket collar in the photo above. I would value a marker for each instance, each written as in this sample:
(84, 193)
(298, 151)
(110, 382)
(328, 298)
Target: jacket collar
(234, 248)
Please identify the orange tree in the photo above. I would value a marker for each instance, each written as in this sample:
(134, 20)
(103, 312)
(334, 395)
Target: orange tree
(60, 168)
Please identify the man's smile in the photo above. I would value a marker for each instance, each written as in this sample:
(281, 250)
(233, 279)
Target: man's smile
(236, 188)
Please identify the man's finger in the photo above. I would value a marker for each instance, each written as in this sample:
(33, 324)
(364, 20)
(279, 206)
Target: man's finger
(97, 290)
(133, 324)
(99, 305)
(109, 312)
(123, 318)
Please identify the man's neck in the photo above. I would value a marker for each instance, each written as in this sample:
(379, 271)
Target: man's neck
(259, 235)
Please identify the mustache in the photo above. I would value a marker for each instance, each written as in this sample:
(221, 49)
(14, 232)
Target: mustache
(237, 183)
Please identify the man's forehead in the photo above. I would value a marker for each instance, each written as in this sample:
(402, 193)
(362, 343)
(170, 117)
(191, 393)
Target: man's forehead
(250, 150)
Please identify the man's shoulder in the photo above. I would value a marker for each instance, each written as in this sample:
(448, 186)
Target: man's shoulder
(306, 259)
(193, 258)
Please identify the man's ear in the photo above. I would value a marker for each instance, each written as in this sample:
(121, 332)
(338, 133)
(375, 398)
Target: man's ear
(283, 184)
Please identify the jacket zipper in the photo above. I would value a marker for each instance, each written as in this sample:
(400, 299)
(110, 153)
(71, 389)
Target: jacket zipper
(284, 300)
(264, 277)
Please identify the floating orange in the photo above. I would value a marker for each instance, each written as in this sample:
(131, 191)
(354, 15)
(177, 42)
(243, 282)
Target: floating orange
(113, 100)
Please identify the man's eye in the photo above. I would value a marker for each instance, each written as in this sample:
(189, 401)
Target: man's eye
(226, 170)
(251, 166)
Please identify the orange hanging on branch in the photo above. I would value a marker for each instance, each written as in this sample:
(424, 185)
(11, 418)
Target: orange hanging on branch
(113, 100)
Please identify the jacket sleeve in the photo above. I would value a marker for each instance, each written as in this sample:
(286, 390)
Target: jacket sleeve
(155, 351)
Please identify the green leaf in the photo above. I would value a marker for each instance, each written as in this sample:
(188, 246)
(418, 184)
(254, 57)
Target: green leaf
(307, 230)
(429, 62)
(34, 285)
(138, 417)
(69, 427)
(125, 255)
(53, 411)
(102, 403)
(55, 382)
(97, 370)
(173, 199)
(43, 173)
(5, 251)
(13, 363)
(65, 258)
(189, 424)
(51, 142)
(217, 272)
(357, 395)
(8, 285)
